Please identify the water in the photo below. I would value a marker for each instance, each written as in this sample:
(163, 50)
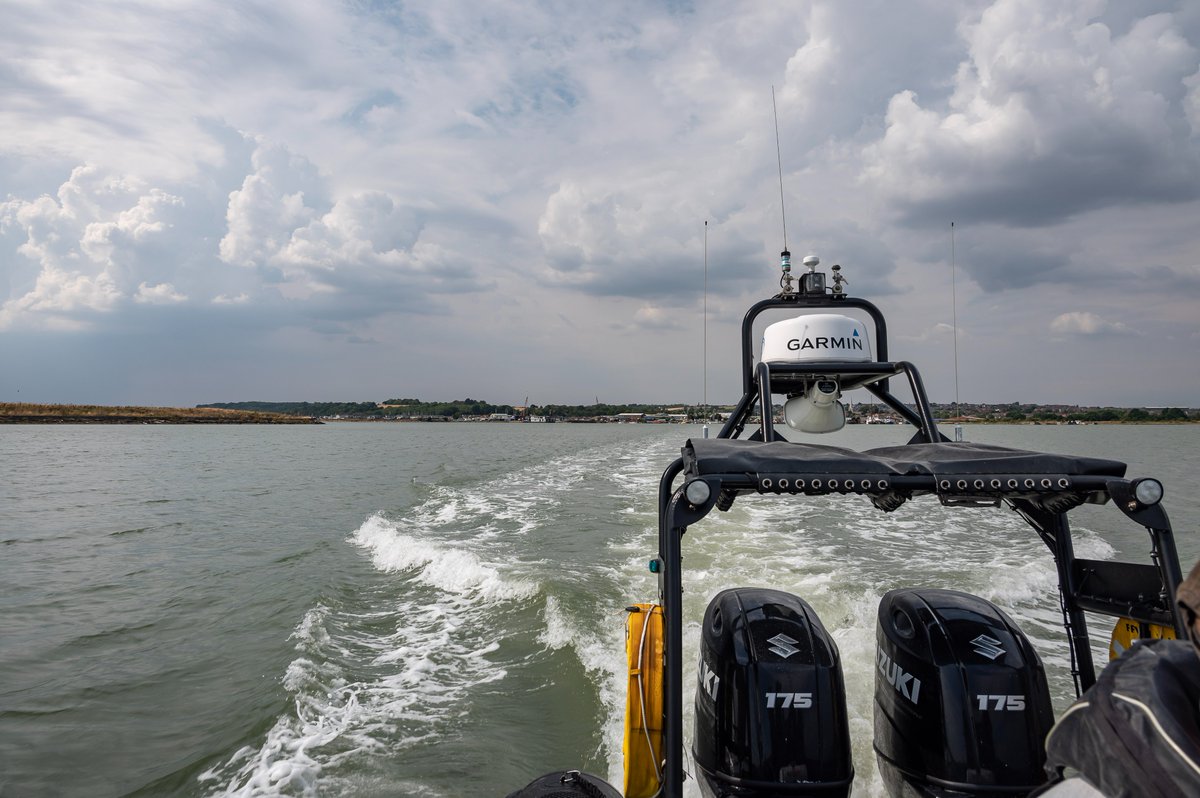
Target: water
(434, 610)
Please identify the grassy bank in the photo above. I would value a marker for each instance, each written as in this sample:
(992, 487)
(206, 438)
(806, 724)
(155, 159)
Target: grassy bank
(19, 413)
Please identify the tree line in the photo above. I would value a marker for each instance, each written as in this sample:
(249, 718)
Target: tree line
(392, 408)
(1098, 414)
(416, 408)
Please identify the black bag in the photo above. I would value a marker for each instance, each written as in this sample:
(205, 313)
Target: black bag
(566, 784)
(1136, 732)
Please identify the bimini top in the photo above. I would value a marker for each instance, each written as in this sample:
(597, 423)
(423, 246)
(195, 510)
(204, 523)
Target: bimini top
(960, 470)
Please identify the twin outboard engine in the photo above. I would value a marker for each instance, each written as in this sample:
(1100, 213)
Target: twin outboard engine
(770, 700)
(961, 699)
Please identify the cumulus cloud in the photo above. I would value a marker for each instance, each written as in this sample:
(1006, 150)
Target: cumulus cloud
(366, 230)
(360, 254)
(1052, 114)
(105, 241)
(640, 241)
(161, 294)
(1086, 323)
(86, 249)
(275, 199)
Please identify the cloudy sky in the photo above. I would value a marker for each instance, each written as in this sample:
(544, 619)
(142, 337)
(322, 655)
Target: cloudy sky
(361, 200)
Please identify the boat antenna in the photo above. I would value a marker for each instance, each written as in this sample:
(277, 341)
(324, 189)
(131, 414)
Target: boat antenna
(704, 406)
(779, 161)
(785, 257)
(958, 431)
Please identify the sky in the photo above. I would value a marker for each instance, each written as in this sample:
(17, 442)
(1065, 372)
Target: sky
(357, 201)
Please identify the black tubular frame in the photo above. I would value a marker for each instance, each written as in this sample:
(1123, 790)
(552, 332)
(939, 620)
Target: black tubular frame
(1116, 589)
(757, 380)
(677, 514)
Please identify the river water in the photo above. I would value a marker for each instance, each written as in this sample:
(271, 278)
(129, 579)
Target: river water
(436, 609)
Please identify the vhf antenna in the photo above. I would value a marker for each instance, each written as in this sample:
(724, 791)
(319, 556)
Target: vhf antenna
(705, 369)
(785, 257)
(958, 431)
(779, 160)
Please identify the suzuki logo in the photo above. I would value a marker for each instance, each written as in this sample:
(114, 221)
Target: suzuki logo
(905, 683)
(784, 646)
(987, 646)
(709, 681)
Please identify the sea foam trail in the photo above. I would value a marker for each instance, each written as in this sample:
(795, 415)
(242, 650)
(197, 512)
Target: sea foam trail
(382, 674)
(450, 569)
(389, 672)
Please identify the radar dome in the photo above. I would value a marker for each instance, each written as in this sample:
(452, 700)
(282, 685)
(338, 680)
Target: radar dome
(816, 338)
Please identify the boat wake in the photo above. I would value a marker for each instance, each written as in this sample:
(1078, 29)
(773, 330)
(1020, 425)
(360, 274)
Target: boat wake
(471, 599)
(371, 679)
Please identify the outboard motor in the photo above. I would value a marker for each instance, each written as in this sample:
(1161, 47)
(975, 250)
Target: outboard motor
(770, 700)
(961, 700)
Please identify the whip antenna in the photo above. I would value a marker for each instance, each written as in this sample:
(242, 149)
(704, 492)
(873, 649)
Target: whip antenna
(779, 160)
(958, 433)
(704, 406)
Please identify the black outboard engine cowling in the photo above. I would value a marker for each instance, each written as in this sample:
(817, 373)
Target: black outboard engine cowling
(961, 700)
(770, 700)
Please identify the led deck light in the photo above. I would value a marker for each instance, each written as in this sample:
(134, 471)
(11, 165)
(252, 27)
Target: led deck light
(1148, 491)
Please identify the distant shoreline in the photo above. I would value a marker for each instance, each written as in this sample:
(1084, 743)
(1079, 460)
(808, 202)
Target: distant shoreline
(17, 413)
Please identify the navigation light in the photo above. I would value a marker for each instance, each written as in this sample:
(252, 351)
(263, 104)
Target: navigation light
(1148, 491)
(697, 492)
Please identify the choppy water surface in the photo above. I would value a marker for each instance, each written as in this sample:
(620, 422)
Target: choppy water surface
(434, 610)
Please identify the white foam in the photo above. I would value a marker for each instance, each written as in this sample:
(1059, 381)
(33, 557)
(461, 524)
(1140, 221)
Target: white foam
(355, 691)
(336, 717)
(606, 670)
(557, 632)
(450, 569)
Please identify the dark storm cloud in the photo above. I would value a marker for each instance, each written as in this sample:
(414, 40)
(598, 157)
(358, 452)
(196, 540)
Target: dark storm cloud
(1005, 269)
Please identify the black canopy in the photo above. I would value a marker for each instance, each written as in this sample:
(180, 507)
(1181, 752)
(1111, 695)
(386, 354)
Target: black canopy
(952, 470)
(738, 456)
